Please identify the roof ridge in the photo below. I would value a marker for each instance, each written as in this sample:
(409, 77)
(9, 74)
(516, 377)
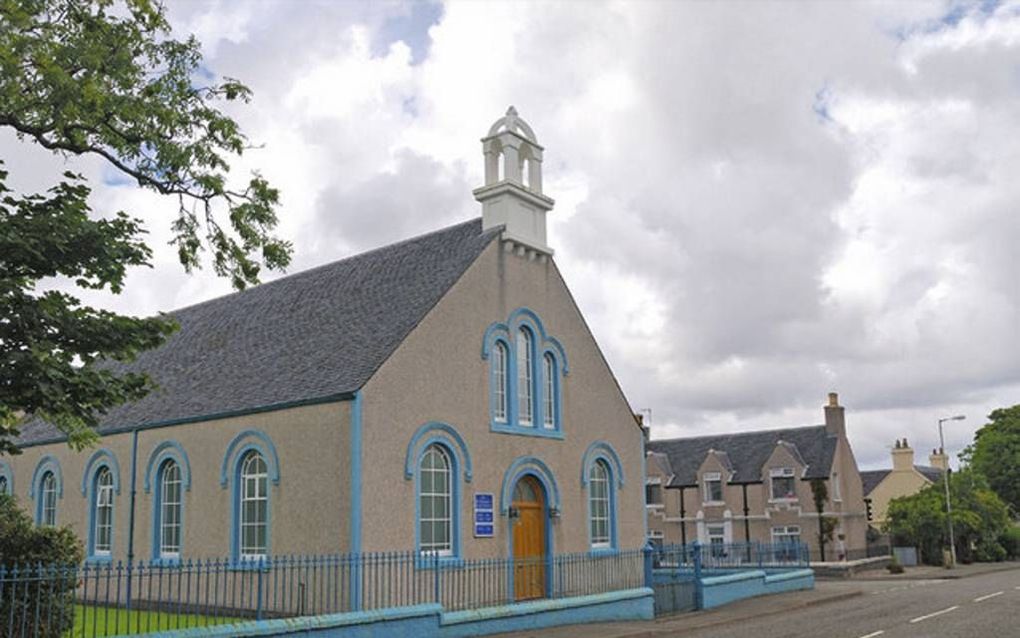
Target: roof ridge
(740, 433)
(335, 262)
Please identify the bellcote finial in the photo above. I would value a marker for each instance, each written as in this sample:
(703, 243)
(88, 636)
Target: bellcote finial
(512, 194)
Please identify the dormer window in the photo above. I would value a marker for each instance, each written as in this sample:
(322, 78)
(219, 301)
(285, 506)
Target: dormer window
(713, 487)
(784, 487)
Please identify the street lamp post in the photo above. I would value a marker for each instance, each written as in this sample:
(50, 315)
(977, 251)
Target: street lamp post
(945, 481)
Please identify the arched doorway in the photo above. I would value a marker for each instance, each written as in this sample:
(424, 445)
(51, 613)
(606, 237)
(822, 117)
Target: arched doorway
(529, 539)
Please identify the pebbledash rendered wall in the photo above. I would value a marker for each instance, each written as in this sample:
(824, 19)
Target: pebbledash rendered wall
(438, 374)
(307, 506)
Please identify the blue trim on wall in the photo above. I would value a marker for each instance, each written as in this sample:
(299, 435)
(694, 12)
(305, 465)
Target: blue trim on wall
(105, 457)
(452, 439)
(542, 344)
(99, 460)
(355, 500)
(263, 443)
(168, 450)
(47, 462)
(455, 558)
(601, 449)
(8, 473)
(528, 465)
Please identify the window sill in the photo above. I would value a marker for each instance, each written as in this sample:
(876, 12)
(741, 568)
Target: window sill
(603, 551)
(99, 559)
(713, 503)
(522, 430)
(441, 562)
(784, 501)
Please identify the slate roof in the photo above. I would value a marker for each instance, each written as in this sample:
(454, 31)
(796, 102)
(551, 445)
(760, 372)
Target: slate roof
(303, 338)
(748, 452)
(871, 478)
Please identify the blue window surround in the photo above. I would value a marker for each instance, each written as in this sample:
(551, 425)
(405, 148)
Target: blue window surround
(7, 473)
(543, 344)
(530, 466)
(165, 451)
(601, 450)
(445, 435)
(46, 463)
(230, 470)
(99, 459)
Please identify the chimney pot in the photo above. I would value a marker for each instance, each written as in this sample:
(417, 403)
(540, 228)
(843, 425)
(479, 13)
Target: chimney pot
(833, 399)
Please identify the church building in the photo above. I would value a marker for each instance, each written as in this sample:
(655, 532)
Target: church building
(442, 395)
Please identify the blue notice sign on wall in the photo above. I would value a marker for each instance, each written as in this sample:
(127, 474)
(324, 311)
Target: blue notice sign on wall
(484, 516)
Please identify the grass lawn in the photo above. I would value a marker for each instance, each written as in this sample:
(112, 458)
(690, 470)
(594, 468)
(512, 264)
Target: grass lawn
(111, 621)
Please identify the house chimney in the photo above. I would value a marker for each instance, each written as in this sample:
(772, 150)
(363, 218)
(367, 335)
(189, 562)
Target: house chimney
(835, 421)
(902, 457)
(512, 195)
(939, 459)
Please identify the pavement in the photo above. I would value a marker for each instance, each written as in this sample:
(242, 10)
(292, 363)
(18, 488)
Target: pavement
(933, 602)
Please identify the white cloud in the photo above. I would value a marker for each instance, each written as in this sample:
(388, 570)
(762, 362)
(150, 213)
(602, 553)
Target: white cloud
(756, 203)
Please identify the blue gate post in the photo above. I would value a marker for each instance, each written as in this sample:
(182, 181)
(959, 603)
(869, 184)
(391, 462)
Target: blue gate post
(648, 554)
(699, 593)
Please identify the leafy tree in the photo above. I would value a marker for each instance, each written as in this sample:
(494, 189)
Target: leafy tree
(105, 79)
(24, 546)
(980, 518)
(995, 454)
(826, 524)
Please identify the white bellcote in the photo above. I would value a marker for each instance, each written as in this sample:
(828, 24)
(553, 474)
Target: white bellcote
(512, 195)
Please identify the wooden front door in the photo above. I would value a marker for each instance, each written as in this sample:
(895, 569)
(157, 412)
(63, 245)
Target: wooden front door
(529, 539)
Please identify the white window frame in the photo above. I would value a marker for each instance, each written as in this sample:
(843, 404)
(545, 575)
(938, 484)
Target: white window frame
(783, 473)
(782, 534)
(443, 477)
(170, 525)
(501, 367)
(712, 477)
(712, 537)
(525, 378)
(258, 480)
(102, 524)
(661, 503)
(48, 505)
(549, 395)
(599, 505)
(837, 493)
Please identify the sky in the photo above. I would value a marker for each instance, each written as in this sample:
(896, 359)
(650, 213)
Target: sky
(756, 203)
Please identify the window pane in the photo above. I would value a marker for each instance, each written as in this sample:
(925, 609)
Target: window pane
(525, 392)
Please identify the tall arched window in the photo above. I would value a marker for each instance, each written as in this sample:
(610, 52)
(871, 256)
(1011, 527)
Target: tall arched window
(599, 509)
(168, 510)
(102, 513)
(435, 502)
(48, 500)
(253, 517)
(4, 487)
(525, 391)
(548, 391)
(500, 377)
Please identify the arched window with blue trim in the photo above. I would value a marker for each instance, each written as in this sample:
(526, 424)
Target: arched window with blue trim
(435, 502)
(169, 510)
(600, 505)
(500, 381)
(253, 516)
(525, 377)
(46, 515)
(526, 367)
(101, 529)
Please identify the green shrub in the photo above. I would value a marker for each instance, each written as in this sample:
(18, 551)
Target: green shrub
(894, 566)
(1010, 541)
(989, 551)
(25, 546)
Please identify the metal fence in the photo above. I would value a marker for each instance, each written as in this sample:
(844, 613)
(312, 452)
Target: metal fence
(110, 599)
(677, 570)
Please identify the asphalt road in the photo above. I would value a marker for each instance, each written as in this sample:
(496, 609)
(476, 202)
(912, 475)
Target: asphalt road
(974, 607)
